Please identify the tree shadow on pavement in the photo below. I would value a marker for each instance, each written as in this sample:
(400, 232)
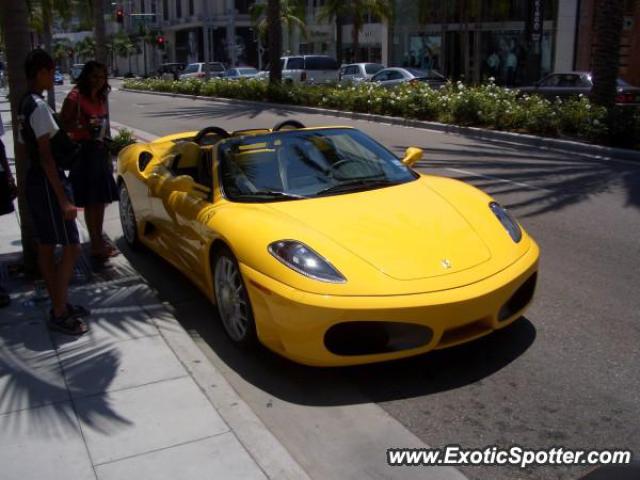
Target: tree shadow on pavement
(550, 181)
(222, 111)
(426, 374)
(42, 368)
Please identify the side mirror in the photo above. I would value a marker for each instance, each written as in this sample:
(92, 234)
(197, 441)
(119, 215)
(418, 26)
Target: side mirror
(412, 156)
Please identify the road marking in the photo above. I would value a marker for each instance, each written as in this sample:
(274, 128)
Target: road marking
(498, 179)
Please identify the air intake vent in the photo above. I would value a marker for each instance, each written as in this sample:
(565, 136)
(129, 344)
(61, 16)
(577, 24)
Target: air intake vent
(519, 300)
(143, 160)
(367, 338)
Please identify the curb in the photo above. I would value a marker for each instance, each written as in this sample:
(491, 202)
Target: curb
(565, 146)
(263, 447)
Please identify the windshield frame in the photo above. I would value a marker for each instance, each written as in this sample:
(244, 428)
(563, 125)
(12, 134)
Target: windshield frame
(219, 174)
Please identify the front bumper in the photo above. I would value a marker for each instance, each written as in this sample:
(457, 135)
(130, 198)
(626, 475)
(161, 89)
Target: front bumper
(331, 330)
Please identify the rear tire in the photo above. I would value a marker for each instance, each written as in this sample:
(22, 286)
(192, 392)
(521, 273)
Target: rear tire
(232, 300)
(128, 218)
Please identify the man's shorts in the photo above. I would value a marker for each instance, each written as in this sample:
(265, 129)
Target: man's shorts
(49, 225)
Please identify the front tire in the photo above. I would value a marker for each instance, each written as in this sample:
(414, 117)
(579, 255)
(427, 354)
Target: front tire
(232, 300)
(128, 218)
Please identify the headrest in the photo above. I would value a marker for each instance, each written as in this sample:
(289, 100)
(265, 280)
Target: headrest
(188, 154)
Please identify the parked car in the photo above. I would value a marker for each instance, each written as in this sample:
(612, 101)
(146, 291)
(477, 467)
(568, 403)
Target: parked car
(58, 78)
(171, 71)
(275, 227)
(75, 71)
(197, 70)
(358, 72)
(572, 84)
(308, 69)
(240, 72)
(391, 77)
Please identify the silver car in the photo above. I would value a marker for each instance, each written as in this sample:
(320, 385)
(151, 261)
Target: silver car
(358, 72)
(391, 77)
(240, 72)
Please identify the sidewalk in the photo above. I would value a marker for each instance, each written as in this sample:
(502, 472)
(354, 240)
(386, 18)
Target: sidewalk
(133, 398)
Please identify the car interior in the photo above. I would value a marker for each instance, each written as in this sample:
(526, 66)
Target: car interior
(194, 157)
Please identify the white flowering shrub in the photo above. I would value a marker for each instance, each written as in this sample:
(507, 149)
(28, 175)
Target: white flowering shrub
(487, 105)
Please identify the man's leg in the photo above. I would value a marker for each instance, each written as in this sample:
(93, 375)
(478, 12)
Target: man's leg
(57, 277)
(46, 262)
(64, 272)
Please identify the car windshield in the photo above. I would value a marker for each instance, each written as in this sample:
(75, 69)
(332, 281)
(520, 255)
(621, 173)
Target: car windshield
(297, 164)
(372, 68)
(428, 74)
(248, 71)
(216, 67)
(191, 68)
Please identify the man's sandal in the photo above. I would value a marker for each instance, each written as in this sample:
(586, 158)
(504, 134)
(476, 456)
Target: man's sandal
(77, 311)
(67, 324)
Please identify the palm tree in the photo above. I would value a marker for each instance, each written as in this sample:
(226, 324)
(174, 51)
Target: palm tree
(358, 11)
(275, 41)
(291, 16)
(15, 26)
(335, 10)
(61, 52)
(86, 48)
(123, 46)
(606, 56)
(41, 14)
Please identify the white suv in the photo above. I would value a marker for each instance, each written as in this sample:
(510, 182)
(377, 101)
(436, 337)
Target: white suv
(196, 70)
(308, 69)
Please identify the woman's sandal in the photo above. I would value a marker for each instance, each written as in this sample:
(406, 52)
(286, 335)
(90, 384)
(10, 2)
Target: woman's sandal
(108, 252)
(67, 324)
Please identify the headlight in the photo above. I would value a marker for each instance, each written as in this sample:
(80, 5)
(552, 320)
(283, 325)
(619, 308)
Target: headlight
(297, 256)
(510, 225)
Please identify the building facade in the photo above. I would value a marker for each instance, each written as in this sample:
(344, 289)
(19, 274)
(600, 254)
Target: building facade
(516, 42)
(511, 41)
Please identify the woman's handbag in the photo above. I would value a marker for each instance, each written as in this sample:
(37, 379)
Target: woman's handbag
(65, 151)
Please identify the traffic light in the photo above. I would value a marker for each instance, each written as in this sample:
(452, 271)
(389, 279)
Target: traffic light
(160, 41)
(120, 15)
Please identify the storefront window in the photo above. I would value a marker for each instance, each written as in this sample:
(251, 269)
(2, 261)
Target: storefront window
(423, 52)
(503, 57)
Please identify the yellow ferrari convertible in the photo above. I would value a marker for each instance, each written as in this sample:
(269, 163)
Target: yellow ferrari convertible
(324, 246)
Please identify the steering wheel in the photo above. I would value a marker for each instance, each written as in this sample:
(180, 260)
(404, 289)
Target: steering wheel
(336, 166)
(287, 123)
(221, 132)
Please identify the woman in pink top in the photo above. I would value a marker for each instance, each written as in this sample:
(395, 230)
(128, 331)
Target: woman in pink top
(85, 117)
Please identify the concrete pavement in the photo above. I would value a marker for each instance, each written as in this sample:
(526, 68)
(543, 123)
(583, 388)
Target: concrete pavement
(133, 398)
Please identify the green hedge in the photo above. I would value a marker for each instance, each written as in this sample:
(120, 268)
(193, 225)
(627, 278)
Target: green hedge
(487, 106)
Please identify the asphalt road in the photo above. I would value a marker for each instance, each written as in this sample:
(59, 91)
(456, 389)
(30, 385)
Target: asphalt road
(564, 375)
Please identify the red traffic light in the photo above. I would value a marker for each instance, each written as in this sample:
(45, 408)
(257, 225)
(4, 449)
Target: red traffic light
(160, 40)
(120, 15)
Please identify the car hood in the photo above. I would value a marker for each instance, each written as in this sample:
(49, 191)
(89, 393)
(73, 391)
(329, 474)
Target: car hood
(407, 232)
